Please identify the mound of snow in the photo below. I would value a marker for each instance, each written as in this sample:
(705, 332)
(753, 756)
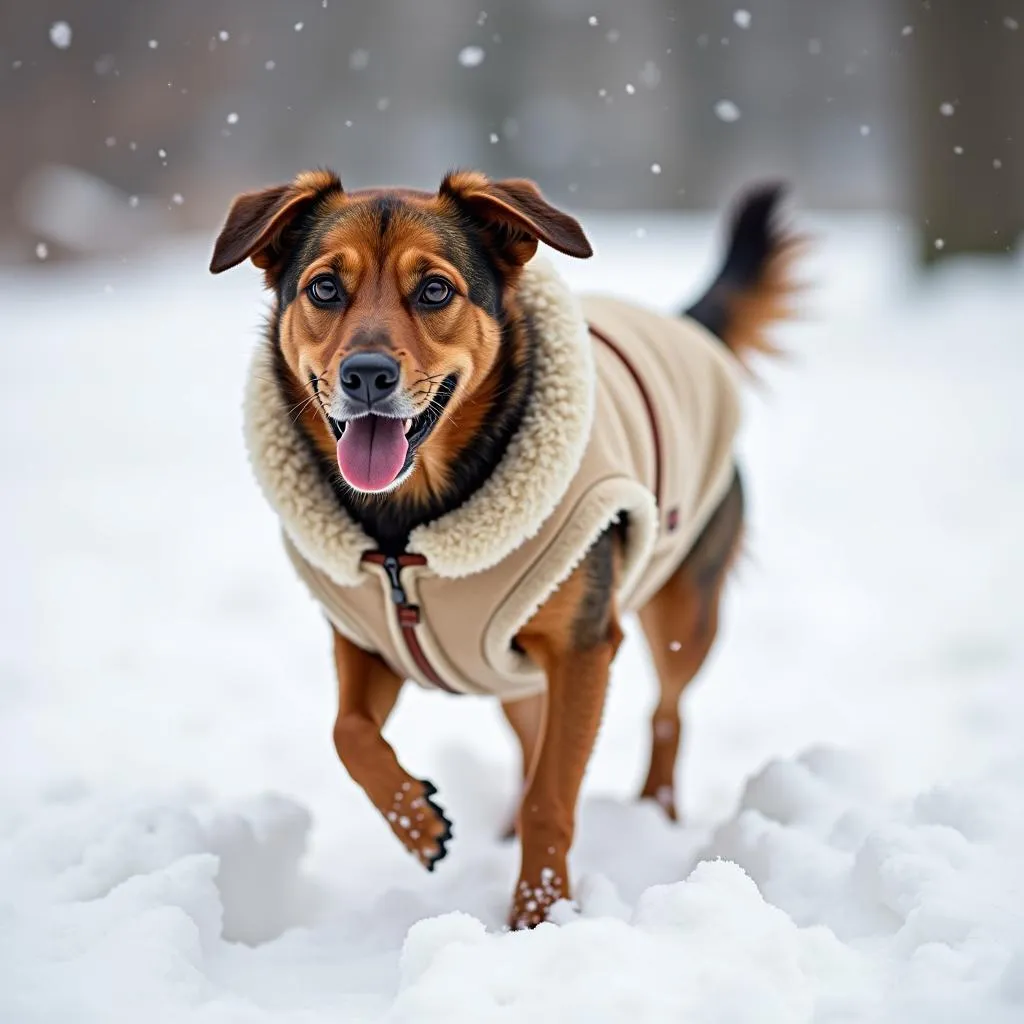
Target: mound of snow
(161, 665)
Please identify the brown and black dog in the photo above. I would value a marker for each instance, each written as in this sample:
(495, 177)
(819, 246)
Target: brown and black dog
(420, 290)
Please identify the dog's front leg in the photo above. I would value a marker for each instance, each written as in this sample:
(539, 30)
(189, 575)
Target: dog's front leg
(573, 638)
(577, 681)
(367, 691)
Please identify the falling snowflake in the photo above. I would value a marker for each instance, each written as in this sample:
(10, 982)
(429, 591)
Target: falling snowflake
(907, 30)
(299, 26)
(162, 153)
(270, 65)
(726, 110)
(865, 129)
(42, 251)
(359, 60)
(110, 141)
(133, 201)
(814, 47)
(153, 44)
(675, 645)
(223, 36)
(471, 56)
(1011, 23)
(959, 150)
(482, 18)
(232, 118)
(997, 163)
(177, 199)
(60, 35)
(742, 18)
(655, 168)
(383, 103)
(493, 137)
(946, 109)
(630, 88)
(592, 20)
(940, 243)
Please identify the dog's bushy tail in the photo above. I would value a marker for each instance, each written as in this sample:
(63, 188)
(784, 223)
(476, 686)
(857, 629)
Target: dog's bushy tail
(755, 287)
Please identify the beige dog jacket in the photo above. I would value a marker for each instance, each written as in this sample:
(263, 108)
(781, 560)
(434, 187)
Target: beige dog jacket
(633, 413)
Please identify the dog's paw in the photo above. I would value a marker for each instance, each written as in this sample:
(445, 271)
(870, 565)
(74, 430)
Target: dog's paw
(419, 822)
(535, 897)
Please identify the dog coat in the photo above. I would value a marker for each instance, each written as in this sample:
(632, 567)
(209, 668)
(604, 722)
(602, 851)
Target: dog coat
(632, 415)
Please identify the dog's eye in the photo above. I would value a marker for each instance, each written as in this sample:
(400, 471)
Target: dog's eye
(324, 290)
(435, 292)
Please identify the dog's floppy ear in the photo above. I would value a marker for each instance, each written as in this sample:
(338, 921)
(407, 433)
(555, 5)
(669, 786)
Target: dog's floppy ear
(515, 215)
(257, 221)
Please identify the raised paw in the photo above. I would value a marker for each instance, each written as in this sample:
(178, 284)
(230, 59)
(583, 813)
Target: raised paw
(419, 822)
(534, 898)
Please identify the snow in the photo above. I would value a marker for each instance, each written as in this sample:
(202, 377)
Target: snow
(946, 109)
(60, 35)
(178, 842)
(471, 56)
(741, 18)
(726, 110)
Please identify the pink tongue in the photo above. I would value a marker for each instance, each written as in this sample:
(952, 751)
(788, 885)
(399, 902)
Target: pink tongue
(372, 451)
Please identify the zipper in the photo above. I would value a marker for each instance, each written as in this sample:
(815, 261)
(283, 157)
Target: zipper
(407, 613)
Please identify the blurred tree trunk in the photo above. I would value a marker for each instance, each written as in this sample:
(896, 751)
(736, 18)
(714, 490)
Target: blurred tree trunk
(967, 79)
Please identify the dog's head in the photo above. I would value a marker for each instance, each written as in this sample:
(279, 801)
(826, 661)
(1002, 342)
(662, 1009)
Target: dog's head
(392, 303)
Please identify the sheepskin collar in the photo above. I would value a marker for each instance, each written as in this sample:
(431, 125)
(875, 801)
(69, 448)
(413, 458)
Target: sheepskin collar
(508, 509)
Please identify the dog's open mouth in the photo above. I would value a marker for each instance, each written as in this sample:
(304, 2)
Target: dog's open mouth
(375, 450)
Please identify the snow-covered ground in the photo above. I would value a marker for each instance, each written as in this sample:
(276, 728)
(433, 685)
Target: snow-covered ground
(178, 842)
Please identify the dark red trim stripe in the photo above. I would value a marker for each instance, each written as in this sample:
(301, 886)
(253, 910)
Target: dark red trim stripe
(409, 618)
(648, 404)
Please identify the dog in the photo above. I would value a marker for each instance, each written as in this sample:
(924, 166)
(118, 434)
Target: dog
(478, 473)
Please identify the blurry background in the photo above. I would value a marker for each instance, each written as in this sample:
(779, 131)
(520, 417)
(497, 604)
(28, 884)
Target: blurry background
(124, 119)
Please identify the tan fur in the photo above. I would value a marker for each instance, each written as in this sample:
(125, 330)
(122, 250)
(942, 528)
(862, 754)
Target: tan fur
(752, 313)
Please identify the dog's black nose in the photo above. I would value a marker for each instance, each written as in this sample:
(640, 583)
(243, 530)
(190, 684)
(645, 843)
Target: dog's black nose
(369, 377)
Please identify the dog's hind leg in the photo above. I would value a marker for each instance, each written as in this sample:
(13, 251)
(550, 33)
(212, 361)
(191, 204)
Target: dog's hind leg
(680, 623)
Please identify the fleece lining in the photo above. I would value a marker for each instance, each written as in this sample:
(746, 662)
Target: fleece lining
(509, 508)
